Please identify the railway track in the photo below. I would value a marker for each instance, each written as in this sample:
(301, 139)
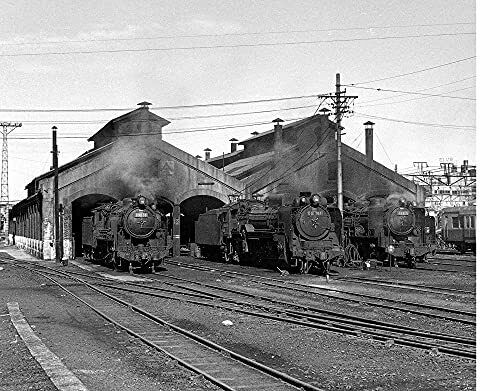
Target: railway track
(407, 285)
(223, 367)
(422, 266)
(400, 305)
(305, 316)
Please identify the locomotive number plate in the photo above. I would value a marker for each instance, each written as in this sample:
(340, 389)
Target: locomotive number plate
(402, 213)
(141, 214)
(314, 213)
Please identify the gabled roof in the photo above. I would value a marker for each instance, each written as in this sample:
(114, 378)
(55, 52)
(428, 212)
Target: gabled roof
(82, 158)
(135, 115)
(286, 127)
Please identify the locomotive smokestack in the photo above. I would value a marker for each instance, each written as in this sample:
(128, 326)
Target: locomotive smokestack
(207, 153)
(369, 140)
(278, 137)
(234, 144)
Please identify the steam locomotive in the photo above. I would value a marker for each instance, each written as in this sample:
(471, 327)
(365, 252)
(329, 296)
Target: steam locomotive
(390, 232)
(129, 233)
(299, 237)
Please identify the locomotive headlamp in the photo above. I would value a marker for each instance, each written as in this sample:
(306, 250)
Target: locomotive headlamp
(414, 203)
(153, 206)
(142, 200)
(402, 201)
(390, 248)
(303, 200)
(315, 199)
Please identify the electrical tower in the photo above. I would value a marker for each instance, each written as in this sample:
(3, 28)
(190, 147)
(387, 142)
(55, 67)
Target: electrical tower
(7, 128)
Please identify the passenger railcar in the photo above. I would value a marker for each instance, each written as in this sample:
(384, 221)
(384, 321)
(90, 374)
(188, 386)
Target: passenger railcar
(300, 236)
(458, 227)
(130, 233)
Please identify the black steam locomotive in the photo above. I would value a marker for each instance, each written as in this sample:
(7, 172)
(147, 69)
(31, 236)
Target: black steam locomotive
(298, 237)
(129, 233)
(389, 231)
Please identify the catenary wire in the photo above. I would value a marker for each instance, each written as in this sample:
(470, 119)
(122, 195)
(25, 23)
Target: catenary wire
(242, 45)
(411, 99)
(451, 126)
(382, 145)
(414, 72)
(173, 118)
(414, 93)
(186, 130)
(235, 34)
(326, 133)
(233, 103)
(423, 89)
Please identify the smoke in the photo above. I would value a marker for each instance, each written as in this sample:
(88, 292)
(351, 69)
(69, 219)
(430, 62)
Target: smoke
(132, 171)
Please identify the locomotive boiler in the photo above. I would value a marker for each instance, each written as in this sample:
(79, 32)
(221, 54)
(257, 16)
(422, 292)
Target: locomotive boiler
(130, 233)
(299, 237)
(390, 232)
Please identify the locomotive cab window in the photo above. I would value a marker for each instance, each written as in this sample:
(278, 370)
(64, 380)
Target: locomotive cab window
(455, 223)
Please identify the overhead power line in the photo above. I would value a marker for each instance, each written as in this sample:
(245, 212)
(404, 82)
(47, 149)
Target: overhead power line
(69, 122)
(173, 131)
(423, 89)
(451, 126)
(414, 72)
(156, 108)
(414, 93)
(227, 46)
(409, 100)
(127, 39)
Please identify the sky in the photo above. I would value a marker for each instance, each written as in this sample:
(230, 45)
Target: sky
(92, 57)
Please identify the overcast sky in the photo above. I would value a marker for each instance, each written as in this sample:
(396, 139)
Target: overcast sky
(178, 53)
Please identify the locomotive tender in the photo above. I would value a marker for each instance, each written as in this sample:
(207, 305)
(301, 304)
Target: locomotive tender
(298, 237)
(391, 232)
(130, 232)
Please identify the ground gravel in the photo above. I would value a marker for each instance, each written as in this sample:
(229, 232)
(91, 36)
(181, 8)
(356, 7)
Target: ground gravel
(100, 355)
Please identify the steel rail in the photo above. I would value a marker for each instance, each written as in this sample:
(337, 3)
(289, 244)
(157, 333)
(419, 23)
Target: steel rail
(252, 364)
(407, 285)
(338, 328)
(344, 329)
(432, 262)
(332, 315)
(308, 289)
(470, 272)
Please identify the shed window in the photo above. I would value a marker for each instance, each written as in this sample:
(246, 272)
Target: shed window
(455, 222)
(473, 221)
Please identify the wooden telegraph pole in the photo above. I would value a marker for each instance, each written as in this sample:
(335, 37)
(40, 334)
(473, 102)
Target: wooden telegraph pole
(341, 103)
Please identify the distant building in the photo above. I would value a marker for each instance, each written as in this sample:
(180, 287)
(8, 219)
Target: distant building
(447, 186)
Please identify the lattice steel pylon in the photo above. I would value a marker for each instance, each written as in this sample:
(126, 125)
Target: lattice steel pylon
(7, 128)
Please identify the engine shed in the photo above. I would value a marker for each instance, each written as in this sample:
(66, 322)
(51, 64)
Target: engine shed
(129, 157)
(302, 156)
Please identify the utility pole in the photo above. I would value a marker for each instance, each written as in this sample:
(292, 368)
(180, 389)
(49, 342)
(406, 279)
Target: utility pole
(4, 198)
(55, 167)
(341, 103)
